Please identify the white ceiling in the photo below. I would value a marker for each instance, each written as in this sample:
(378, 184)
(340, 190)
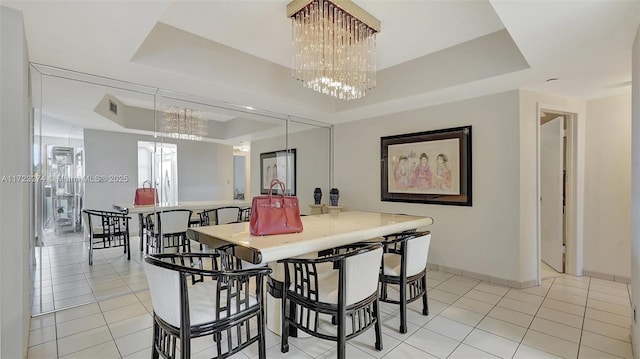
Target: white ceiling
(428, 52)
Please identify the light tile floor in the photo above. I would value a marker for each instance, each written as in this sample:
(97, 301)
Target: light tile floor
(546, 271)
(62, 276)
(567, 317)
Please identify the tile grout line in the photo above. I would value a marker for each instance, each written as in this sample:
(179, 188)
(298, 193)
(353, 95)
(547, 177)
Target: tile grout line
(534, 317)
(476, 325)
(583, 318)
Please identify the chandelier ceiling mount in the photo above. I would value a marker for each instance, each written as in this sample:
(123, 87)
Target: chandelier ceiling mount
(334, 46)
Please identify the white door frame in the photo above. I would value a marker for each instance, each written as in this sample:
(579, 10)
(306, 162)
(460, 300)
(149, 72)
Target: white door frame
(552, 170)
(573, 196)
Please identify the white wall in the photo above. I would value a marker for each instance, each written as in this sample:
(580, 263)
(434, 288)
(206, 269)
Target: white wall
(110, 153)
(312, 163)
(483, 238)
(635, 189)
(205, 169)
(607, 203)
(14, 197)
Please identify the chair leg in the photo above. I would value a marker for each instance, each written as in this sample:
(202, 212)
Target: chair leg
(378, 327)
(262, 351)
(90, 252)
(425, 303)
(185, 343)
(284, 335)
(341, 331)
(141, 229)
(155, 341)
(403, 306)
(342, 338)
(128, 249)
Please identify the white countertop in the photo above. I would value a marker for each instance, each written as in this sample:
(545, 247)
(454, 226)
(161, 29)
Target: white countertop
(320, 232)
(182, 205)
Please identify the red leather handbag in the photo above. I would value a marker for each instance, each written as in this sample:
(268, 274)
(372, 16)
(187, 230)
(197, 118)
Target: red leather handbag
(145, 195)
(275, 214)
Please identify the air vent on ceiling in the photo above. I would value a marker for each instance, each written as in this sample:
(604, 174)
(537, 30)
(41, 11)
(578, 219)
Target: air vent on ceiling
(113, 107)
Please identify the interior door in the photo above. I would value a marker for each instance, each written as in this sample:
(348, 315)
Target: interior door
(551, 177)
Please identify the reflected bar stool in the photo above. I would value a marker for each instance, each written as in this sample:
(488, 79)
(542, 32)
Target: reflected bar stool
(107, 229)
(222, 215)
(168, 229)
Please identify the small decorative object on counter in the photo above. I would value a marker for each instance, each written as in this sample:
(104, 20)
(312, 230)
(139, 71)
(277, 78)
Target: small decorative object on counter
(317, 195)
(334, 195)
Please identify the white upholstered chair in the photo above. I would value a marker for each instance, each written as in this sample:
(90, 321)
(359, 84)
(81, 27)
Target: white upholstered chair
(192, 297)
(405, 264)
(168, 229)
(342, 286)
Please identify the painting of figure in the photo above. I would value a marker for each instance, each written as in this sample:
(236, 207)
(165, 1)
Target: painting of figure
(428, 167)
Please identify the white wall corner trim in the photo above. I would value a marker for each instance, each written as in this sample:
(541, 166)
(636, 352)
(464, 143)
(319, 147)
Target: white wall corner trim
(14, 206)
(635, 190)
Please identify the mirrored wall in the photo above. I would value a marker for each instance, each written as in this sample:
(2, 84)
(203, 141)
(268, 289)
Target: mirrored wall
(96, 141)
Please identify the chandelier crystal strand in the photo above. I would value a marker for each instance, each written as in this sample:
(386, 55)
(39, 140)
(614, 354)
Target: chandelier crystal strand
(334, 52)
(184, 123)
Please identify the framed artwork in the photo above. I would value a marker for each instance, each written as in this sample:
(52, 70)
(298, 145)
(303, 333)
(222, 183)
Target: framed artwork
(427, 167)
(279, 165)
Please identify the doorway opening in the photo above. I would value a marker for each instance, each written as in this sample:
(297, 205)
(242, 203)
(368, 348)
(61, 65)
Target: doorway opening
(557, 156)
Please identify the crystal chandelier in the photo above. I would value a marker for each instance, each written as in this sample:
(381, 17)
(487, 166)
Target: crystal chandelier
(184, 123)
(334, 46)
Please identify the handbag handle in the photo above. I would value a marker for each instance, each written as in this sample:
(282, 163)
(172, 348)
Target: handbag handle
(273, 183)
(278, 182)
(145, 182)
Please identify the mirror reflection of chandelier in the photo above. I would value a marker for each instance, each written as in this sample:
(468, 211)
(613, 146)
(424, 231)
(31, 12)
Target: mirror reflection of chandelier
(184, 123)
(334, 47)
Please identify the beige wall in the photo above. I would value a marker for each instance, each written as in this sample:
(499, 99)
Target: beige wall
(607, 203)
(15, 287)
(483, 238)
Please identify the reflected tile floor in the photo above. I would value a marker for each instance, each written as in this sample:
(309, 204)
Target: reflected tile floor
(62, 276)
(565, 317)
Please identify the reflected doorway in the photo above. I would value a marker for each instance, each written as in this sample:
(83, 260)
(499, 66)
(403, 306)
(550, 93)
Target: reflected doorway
(62, 174)
(240, 175)
(158, 168)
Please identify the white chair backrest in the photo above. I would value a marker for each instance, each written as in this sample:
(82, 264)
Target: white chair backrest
(174, 221)
(227, 215)
(164, 286)
(417, 253)
(362, 275)
(87, 225)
